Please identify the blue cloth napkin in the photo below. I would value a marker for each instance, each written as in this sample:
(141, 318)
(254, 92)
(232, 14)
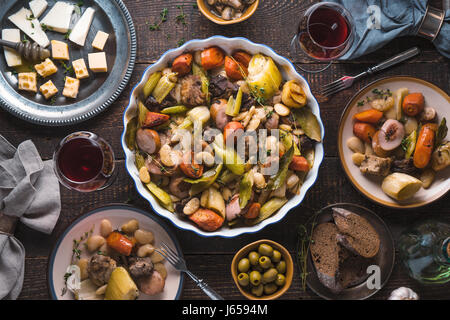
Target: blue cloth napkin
(29, 193)
(397, 18)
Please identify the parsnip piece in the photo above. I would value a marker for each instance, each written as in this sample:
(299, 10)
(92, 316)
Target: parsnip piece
(400, 186)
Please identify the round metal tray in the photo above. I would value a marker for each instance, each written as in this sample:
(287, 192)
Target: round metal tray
(98, 91)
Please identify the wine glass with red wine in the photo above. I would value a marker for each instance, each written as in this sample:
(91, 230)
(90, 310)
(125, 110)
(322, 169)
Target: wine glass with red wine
(326, 31)
(84, 162)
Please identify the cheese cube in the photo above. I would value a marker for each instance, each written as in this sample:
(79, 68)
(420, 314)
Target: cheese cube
(46, 68)
(12, 58)
(71, 87)
(81, 71)
(97, 62)
(48, 89)
(60, 50)
(38, 7)
(100, 40)
(28, 81)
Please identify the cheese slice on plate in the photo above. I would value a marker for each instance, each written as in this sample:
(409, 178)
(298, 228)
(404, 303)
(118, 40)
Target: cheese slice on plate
(60, 50)
(58, 18)
(71, 87)
(80, 31)
(48, 89)
(23, 19)
(81, 71)
(38, 7)
(100, 40)
(13, 59)
(28, 81)
(46, 68)
(97, 62)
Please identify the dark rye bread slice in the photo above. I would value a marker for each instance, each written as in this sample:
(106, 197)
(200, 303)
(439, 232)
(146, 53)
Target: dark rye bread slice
(356, 233)
(352, 268)
(325, 255)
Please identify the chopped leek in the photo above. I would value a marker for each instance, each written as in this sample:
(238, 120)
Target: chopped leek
(199, 71)
(229, 157)
(142, 113)
(278, 180)
(268, 209)
(245, 189)
(130, 133)
(163, 88)
(174, 110)
(151, 84)
(161, 195)
(208, 178)
(234, 104)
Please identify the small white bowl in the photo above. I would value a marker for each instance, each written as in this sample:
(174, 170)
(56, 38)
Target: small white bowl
(229, 45)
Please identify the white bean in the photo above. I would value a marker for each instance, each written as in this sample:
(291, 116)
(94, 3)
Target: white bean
(191, 206)
(355, 144)
(281, 109)
(145, 250)
(131, 226)
(144, 236)
(260, 181)
(156, 257)
(226, 193)
(95, 242)
(292, 181)
(358, 158)
(105, 227)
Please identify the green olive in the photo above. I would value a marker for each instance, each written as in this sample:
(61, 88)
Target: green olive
(253, 257)
(243, 279)
(258, 268)
(265, 250)
(280, 280)
(255, 278)
(270, 275)
(276, 256)
(244, 265)
(265, 262)
(270, 288)
(258, 290)
(281, 267)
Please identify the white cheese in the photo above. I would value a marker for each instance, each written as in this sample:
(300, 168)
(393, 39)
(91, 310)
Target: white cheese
(97, 62)
(58, 18)
(31, 27)
(38, 7)
(13, 59)
(80, 31)
(100, 40)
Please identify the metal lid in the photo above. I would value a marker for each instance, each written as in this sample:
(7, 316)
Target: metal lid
(431, 23)
(7, 224)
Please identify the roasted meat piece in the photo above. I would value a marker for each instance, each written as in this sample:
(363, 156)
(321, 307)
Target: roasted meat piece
(191, 91)
(221, 87)
(140, 267)
(376, 166)
(100, 268)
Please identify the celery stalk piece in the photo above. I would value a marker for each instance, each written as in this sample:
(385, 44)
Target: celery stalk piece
(151, 84)
(163, 88)
(161, 195)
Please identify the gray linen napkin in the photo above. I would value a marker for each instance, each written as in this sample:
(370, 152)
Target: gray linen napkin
(29, 191)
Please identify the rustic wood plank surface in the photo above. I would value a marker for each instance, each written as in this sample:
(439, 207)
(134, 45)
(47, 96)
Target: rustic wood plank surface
(272, 24)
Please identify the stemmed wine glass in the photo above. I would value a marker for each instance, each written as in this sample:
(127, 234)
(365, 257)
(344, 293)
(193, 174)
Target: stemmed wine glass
(84, 162)
(326, 32)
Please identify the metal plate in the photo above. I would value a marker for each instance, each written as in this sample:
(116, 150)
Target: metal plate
(385, 259)
(96, 92)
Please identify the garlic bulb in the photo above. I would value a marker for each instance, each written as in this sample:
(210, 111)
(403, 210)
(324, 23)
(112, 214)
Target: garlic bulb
(403, 293)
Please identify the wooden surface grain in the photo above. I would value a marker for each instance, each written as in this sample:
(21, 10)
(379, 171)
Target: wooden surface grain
(273, 24)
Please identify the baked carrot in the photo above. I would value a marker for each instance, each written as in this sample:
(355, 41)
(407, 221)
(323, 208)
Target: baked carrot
(242, 57)
(369, 116)
(364, 131)
(207, 219)
(424, 146)
(212, 58)
(182, 64)
(299, 163)
(190, 168)
(120, 243)
(235, 70)
(253, 211)
(413, 104)
(154, 119)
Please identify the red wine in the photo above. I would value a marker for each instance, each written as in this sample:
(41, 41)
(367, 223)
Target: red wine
(328, 27)
(80, 160)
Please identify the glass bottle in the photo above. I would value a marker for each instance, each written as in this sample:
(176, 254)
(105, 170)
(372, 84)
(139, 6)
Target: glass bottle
(424, 250)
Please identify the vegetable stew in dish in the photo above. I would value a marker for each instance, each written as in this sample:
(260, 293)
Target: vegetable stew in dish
(401, 139)
(116, 264)
(222, 140)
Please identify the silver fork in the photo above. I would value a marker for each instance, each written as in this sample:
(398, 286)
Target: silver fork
(179, 264)
(347, 81)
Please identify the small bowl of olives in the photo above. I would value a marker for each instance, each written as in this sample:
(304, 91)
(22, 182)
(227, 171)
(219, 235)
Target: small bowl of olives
(262, 270)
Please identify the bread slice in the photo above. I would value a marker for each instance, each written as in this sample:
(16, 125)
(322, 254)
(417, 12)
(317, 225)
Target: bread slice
(325, 255)
(352, 268)
(355, 233)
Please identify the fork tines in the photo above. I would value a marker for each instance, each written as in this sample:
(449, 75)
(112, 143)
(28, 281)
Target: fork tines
(169, 254)
(333, 87)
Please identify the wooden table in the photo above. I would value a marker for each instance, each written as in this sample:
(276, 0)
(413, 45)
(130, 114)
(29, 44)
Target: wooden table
(273, 24)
